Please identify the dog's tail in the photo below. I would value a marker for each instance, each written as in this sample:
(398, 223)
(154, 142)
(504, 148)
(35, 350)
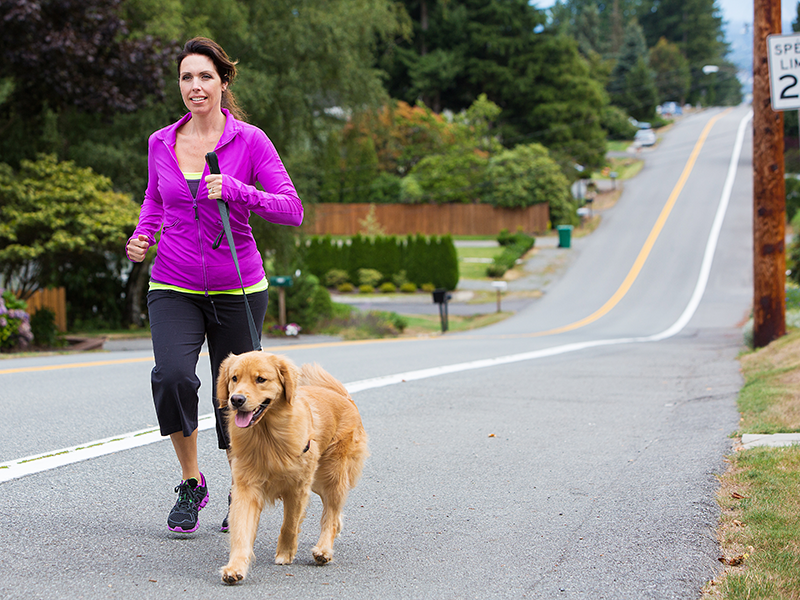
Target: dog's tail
(313, 374)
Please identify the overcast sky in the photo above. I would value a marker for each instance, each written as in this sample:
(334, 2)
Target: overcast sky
(732, 10)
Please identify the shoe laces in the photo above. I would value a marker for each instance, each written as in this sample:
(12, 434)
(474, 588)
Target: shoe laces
(186, 495)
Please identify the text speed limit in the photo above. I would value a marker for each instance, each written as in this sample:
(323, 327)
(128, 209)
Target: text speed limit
(784, 71)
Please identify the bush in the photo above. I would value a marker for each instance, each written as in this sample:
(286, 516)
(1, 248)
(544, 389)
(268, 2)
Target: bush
(370, 277)
(307, 302)
(408, 288)
(335, 278)
(385, 189)
(792, 197)
(366, 289)
(615, 121)
(346, 288)
(453, 177)
(15, 328)
(388, 288)
(514, 247)
(43, 328)
(427, 287)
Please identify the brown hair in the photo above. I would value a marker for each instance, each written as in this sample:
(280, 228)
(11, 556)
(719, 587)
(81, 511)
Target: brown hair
(226, 69)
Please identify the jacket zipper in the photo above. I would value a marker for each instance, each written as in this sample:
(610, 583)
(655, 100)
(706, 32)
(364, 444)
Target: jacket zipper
(196, 221)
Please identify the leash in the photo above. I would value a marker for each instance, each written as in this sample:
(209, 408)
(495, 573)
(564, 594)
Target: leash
(224, 213)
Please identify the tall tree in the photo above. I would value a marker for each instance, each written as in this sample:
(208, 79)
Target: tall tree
(543, 85)
(695, 26)
(631, 85)
(673, 76)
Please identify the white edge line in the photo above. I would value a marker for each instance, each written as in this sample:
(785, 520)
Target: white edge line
(50, 460)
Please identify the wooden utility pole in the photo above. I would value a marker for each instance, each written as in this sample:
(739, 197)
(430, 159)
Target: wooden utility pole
(769, 196)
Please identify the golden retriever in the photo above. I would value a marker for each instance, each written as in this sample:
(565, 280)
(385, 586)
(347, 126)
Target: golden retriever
(292, 431)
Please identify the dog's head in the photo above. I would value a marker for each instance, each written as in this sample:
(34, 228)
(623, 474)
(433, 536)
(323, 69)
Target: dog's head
(253, 383)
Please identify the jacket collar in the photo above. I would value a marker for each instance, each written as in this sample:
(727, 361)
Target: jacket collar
(232, 127)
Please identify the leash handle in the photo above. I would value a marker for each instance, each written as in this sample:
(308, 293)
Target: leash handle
(213, 163)
(224, 212)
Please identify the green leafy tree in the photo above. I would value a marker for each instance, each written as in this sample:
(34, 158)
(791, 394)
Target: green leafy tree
(527, 175)
(63, 225)
(695, 26)
(672, 72)
(543, 85)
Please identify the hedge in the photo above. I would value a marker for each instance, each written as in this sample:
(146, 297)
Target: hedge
(417, 259)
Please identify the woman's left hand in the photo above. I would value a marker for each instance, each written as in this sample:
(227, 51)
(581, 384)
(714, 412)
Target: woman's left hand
(214, 185)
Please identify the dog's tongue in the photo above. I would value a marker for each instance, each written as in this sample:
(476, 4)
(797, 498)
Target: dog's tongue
(242, 419)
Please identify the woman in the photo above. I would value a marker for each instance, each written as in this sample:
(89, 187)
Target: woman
(194, 291)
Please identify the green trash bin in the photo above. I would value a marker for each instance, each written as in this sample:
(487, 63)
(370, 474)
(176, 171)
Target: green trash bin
(564, 236)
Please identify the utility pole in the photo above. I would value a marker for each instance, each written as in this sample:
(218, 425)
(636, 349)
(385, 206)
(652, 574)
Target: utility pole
(769, 195)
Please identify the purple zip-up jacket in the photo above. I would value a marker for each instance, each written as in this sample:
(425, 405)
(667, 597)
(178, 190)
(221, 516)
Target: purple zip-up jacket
(190, 226)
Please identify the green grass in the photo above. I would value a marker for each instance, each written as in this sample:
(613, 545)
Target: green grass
(475, 270)
(618, 145)
(759, 530)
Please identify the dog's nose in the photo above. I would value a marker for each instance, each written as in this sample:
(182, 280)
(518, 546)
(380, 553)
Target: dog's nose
(238, 400)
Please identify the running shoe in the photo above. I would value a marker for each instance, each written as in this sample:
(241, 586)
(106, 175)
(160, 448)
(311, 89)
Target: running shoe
(192, 496)
(224, 527)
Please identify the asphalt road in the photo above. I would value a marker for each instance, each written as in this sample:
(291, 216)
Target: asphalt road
(567, 452)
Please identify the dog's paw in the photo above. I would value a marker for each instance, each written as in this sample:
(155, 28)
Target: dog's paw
(322, 556)
(231, 575)
(284, 558)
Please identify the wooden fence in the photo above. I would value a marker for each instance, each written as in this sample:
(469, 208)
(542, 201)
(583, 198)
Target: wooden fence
(427, 219)
(53, 298)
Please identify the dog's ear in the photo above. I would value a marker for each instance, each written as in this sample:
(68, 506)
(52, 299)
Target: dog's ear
(288, 374)
(223, 377)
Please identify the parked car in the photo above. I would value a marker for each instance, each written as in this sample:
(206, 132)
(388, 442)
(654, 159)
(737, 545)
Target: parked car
(645, 137)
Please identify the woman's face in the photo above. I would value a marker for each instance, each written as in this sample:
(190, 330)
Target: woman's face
(201, 85)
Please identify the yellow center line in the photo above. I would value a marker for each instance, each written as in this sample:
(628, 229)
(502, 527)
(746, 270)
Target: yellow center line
(651, 239)
(623, 289)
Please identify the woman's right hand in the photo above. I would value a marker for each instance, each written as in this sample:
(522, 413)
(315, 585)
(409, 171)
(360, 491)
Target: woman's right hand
(137, 248)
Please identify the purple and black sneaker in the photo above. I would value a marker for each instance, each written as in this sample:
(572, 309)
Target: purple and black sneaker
(192, 496)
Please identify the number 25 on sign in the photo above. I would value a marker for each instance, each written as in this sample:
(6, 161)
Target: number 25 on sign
(784, 71)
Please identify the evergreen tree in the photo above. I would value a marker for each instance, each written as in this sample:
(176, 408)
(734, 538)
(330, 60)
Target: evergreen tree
(673, 76)
(695, 26)
(632, 86)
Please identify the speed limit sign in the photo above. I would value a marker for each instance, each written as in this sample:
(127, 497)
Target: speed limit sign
(784, 71)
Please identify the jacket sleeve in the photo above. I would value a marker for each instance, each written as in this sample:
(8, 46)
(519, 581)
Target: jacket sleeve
(152, 212)
(278, 203)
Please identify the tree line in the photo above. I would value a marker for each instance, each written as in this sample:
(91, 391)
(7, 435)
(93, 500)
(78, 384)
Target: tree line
(480, 87)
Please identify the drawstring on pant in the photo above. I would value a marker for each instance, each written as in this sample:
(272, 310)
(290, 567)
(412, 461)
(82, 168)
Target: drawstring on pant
(216, 317)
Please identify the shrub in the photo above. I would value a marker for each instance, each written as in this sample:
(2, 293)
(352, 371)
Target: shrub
(370, 277)
(408, 288)
(366, 289)
(307, 302)
(335, 278)
(346, 288)
(388, 288)
(792, 197)
(15, 328)
(527, 175)
(427, 287)
(456, 176)
(401, 278)
(43, 328)
(385, 189)
(615, 121)
(515, 247)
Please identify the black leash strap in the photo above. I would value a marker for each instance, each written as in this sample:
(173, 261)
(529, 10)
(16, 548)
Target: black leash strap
(224, 213)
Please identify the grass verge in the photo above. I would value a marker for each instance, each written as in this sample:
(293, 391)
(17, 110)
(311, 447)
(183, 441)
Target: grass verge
(759, 531)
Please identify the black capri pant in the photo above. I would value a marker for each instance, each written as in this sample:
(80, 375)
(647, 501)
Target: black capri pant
(179, 324)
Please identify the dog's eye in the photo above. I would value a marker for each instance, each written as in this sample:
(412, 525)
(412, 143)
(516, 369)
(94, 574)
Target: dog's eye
(234, 379)
(260, 380)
